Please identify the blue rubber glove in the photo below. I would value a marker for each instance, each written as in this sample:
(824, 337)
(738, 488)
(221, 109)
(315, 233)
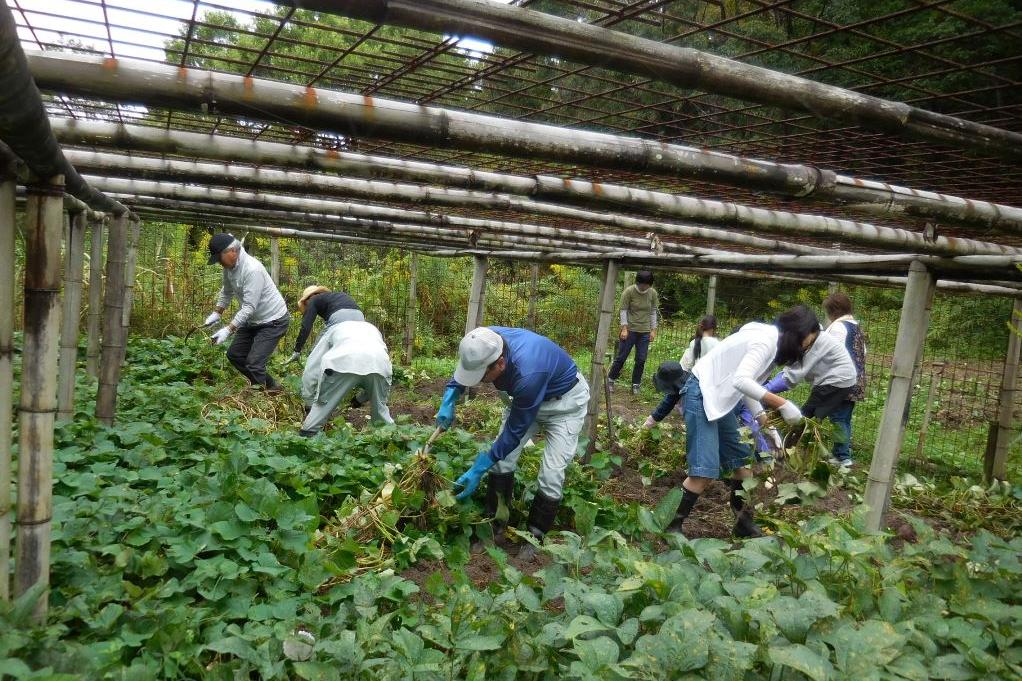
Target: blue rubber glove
(445, 416)
(470, 480)
(778, 384)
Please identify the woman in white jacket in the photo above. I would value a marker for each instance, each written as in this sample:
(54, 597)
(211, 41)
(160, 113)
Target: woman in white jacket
(731, 373)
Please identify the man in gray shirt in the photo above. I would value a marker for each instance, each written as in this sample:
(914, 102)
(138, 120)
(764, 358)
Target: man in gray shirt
(262, 318)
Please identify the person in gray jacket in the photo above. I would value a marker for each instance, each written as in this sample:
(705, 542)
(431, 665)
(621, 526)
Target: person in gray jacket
(262, 318)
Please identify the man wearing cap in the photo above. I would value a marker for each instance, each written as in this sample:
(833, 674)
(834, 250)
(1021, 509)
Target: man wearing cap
(351, 355)
(333, 307)
(262, 318)
(545, 389)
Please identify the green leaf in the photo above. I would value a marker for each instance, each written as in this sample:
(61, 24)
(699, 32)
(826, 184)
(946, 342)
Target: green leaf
(606, 607)
(596, 653)
(229, 529)
(952, 668)
(582, 625)
(479, 642)
(317, 671)
(245, 513)
(729, 660)
(861, 652)
(802, 659)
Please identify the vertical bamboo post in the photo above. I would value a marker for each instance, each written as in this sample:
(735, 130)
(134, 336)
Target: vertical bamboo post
(275, 260)
(113, 313)
(8, 187)
(74, 262)
(533, 294)
(95, 297)
(1006, 398)
(43, 227)
(936, 375)
(130, 264)
(608, 299)
(410, 308)
(711, 294)
(477, 295)
(907, 349)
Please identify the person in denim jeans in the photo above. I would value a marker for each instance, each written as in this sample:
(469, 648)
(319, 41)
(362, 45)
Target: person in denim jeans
(844, 327)
(639, 303)
(732, 373)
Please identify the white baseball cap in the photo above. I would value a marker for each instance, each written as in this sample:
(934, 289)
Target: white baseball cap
(478, 350)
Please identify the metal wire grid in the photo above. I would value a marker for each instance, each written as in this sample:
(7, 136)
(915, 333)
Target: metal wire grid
(411, 65)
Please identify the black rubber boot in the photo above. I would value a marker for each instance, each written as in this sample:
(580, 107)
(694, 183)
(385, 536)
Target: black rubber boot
(359, 399)
(745, 526)
(542, 515)
(498, 486)
(688, 501)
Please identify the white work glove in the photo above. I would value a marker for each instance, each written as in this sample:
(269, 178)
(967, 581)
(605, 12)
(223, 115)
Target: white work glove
(293, 358)
(790, 413)
(649, 422)
(220, 336)
(213, 318)
(774, 438)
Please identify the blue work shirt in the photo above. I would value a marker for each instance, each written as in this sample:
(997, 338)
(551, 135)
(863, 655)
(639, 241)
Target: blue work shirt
(537, 369)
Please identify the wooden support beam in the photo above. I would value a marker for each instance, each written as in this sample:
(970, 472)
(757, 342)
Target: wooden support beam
(130, 264)
(477, 294)
(533, 294)
(275, 260)
(96, 249)
(113, 321)
(411, 307)
(74, 262)
(8, 227)
(36, 415)
(1006, 426)
(907, 349)
(711, 294)
(607, 302)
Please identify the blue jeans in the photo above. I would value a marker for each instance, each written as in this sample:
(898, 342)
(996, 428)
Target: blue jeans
(638, 340)
(842, 416)
(711, 447)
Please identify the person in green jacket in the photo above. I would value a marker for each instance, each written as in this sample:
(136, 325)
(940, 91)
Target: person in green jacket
(639, 303)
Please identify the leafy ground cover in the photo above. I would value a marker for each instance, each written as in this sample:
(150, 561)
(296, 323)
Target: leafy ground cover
(188, 543)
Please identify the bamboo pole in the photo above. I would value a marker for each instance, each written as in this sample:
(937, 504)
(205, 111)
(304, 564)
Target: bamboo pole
(936, 374)
(113, 317)
(130, 264)
(980, 265)
(907, 349)
(1006, 426)
(598, 370)
(258, 199)
(564, 38)
(477, 294)
(800, 225)
(8, 173)
(275, 260)
(254, 98)
(74, 261)
(875, 198)
(533, 294)
(43, 226)
(411, 307)
(711, 294)
(95, 296)
(432, 237)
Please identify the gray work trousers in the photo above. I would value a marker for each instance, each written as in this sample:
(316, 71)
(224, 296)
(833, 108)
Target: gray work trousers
(561, 420)
(335, 387)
